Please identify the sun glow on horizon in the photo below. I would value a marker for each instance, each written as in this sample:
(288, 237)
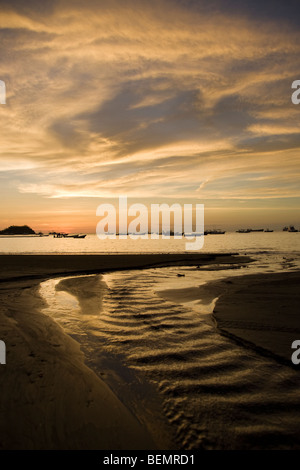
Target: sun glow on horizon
(160, 101)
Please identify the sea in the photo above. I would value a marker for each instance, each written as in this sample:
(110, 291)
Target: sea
(253, 242)
(164, 357)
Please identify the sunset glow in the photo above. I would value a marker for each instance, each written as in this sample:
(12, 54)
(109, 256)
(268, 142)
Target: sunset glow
(160, 101)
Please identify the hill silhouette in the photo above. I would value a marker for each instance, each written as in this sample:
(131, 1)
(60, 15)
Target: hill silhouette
(17, 230)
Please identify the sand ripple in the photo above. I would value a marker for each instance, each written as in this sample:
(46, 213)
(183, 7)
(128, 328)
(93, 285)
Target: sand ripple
(215, 394)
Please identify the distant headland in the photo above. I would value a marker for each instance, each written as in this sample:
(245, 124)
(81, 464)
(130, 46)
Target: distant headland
(18, 230)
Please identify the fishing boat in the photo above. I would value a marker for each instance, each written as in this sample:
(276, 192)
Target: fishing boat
(66, 235)
(59, 235)
(214, 232)
(291, 228)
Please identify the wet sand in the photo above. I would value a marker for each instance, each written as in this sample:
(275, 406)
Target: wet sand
(262, 311)
(259, 310)
(207, 383)
(40, 266)
(49, 398)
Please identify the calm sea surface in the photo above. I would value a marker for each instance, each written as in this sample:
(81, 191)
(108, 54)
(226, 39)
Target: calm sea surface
(229, 242)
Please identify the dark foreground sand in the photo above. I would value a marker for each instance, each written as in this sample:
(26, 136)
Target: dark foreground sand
(262, 311)
(42, 266)
(49, 398)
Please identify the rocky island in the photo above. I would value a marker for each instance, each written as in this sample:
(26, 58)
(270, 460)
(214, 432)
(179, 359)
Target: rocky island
(18, 230)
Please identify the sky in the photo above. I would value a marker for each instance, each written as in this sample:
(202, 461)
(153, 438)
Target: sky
(162, 101)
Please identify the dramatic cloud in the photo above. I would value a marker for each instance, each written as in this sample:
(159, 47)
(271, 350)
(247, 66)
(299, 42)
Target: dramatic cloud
(175, 99)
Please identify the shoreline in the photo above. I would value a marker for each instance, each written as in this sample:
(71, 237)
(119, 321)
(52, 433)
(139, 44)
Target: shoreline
(260, 311)
(49, 398)
(44, 363)
(20, 267)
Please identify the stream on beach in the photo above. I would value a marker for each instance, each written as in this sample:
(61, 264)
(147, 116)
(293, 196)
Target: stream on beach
(214, 393)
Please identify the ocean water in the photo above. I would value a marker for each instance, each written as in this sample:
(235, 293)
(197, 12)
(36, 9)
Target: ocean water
(229, 242)
(214, 393)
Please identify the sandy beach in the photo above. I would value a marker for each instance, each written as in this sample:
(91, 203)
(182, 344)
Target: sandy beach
(50, 398)
(40, 266)
(262, 311)
(259, 310)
